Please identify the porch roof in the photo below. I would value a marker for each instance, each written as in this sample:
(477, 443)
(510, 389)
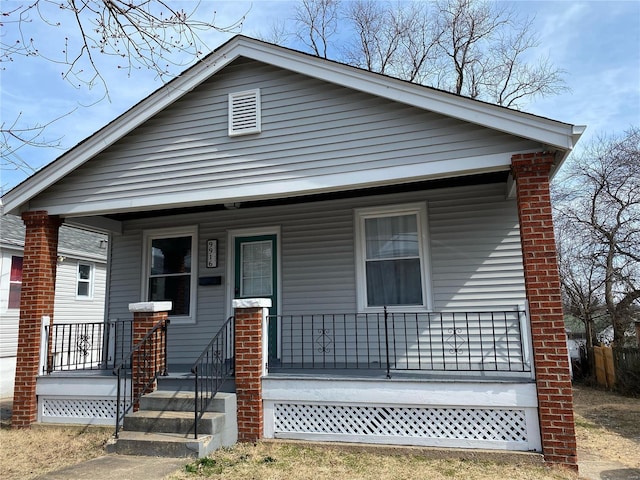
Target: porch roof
(554, 135)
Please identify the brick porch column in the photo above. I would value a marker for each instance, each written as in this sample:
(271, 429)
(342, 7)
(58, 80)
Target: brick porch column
(542, 283)
(37, 296)
(145, 316)
(250, 316)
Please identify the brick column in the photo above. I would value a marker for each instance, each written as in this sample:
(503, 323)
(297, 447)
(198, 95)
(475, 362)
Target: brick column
(542, 283)
(151, 358)
(250, 318)
(36, 300)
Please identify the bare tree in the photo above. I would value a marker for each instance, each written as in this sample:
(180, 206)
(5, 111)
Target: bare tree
(78, 35)
(474, 48)
(580, 273)
(317, 22)
(602, 203)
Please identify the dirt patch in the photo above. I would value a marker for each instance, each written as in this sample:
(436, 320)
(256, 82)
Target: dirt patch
(608, 425)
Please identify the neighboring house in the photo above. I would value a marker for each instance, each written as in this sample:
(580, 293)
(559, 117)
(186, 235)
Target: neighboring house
(80, 285)
(335, 195)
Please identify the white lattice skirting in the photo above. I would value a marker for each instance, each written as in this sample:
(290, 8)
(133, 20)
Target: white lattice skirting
(497, 416)
(78, 410)
(78, 399)
(436, 423)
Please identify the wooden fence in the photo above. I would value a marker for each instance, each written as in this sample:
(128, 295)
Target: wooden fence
(618, 367)
(605, 368)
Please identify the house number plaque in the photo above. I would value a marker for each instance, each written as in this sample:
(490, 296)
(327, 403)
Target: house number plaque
(212, 253)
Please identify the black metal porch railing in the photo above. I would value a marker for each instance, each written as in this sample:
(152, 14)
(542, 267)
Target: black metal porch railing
(139, 370)
(87, 346)
(214, 365)
(389, 341)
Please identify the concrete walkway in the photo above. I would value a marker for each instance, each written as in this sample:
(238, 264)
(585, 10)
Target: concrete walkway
(594, 468)
(122, 467)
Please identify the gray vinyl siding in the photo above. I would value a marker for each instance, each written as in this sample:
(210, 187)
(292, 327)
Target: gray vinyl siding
(70, 309)
(311, 131)
(476, 260)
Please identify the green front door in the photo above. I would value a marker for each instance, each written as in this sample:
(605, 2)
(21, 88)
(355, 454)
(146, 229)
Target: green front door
(256, 276)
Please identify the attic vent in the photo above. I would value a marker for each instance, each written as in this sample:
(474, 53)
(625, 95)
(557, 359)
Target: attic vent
(244, 112)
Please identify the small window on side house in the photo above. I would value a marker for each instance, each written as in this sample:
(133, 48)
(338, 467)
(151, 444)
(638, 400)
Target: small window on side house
(392, 258)
(84, 281)
(15, 282)
(244, 113)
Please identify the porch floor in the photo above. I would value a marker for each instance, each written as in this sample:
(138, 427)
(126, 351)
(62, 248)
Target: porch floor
(399, 375)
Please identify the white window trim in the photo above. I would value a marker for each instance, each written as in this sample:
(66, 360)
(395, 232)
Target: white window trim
(233, 130)
(91, 281)
(361, 214)
(148, 236)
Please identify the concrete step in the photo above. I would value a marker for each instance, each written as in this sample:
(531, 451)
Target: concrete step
(150, 421)
(166, 400)
(163, 445)
(185, 382)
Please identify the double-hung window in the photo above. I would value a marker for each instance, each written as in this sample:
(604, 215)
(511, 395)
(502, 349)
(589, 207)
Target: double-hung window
(392, 257)
(84, 281)
(170, 270)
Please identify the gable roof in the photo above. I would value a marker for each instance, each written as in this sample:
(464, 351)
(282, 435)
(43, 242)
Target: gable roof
(73, 242)
(554, 134)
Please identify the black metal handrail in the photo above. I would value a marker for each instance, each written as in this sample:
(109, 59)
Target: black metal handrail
(87, 346)
(391, 341)
(141, 368)
(214, 365)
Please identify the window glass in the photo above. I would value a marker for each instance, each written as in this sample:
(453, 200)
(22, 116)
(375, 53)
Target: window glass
(256, 265)
(15, 282)
(391, 255)
(83, 288)
(169, 275)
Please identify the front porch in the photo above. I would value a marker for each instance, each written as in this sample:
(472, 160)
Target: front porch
(447, 379)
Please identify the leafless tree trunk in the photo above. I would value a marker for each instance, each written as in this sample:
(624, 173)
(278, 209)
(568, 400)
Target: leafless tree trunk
(317, 22)
(602, 201)
(474, 48)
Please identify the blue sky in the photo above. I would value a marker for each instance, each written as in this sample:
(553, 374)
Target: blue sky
(597, 43)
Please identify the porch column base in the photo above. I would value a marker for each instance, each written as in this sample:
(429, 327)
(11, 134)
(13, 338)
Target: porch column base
(250, 317)
(146, 363)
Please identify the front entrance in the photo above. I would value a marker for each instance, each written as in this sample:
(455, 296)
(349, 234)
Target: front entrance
(256, 275)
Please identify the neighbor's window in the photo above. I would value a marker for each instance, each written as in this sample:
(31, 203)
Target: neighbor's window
(391, 256)
(170, 269)
(15, 282)
(84, 281)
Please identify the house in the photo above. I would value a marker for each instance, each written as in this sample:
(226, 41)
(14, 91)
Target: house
(80, 285)
(386, 250)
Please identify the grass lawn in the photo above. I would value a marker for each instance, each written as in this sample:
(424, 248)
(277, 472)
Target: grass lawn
(607, 425)
(289, 461)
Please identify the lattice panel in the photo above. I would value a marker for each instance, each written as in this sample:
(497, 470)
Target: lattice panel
(79, 408)
(451, 423)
